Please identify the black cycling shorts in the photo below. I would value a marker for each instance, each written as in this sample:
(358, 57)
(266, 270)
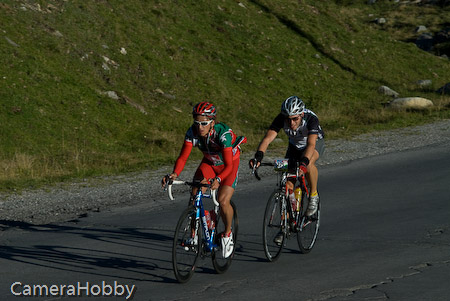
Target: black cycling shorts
(294, 155)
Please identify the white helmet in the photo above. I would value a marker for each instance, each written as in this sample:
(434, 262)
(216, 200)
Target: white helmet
(292, 106)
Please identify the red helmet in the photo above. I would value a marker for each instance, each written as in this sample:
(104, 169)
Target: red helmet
(204, 108)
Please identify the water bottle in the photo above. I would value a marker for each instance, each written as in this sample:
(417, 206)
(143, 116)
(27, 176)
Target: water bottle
(298, 198)
(208, 219)
(213, 219)
(292, 200)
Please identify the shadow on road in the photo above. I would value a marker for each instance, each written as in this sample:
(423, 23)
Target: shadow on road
(136, 254)
(141, 254)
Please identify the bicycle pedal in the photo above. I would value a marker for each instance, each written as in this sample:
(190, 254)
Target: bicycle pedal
(307, 223)
(190, 248)
(293, 226)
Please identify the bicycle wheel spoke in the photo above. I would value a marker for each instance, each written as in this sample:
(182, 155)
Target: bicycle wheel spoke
(185, 248)
(272, 227)
(309, 228)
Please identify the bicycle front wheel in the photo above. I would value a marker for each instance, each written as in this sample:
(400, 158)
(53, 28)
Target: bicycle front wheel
(220, 263)
(273, 235)
(309, 227)
(186, 242)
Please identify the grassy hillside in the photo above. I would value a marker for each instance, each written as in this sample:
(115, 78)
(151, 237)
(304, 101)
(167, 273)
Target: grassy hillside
(102, 87)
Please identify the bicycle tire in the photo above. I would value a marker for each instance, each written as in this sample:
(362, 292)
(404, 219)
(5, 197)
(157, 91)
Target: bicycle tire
(272, 226)
(309, 228)
(184, 257)
(220, 263)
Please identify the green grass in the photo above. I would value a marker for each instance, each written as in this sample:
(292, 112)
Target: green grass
(59, 58)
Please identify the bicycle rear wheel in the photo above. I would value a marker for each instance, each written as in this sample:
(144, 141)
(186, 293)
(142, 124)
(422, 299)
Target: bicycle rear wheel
(220, 263)
(273, 235)
(186, 242)
(309, 227)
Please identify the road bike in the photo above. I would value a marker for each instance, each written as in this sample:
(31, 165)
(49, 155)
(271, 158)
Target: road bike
(281, 220)
(197, 234)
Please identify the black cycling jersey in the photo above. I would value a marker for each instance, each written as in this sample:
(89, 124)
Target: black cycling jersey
(298, 138)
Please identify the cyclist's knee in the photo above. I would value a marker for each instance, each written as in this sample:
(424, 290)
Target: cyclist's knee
(225, 194)
(314, 157)
(224, 201)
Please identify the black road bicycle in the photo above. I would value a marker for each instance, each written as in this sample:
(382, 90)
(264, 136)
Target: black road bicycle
(281, 221)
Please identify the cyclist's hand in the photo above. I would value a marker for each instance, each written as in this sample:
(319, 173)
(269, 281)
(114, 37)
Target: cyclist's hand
(259, 155)
(303, 169)
(215, 183)
(167, 178)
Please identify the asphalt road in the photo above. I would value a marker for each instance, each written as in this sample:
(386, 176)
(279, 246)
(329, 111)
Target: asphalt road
(385, 234)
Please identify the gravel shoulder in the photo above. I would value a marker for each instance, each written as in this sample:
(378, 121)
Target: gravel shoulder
(71, 201)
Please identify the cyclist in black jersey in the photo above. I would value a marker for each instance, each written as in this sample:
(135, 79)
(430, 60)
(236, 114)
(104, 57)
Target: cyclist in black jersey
(306, 143)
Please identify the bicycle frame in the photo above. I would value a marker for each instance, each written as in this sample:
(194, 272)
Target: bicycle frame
(282, 181)
(200, 211)
(198, 204)
(295, 214)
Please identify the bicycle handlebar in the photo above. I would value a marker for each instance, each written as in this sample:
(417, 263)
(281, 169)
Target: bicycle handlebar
(169, 187)
(192, 184)
(255, 169)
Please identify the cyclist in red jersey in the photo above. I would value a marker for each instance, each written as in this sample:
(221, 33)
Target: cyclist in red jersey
(220, 163)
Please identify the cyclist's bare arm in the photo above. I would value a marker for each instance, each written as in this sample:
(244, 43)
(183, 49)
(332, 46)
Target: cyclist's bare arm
(264, 144)
(311, 146)
(268, 138)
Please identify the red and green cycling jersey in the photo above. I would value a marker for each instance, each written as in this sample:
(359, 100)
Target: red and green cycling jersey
(221, 146)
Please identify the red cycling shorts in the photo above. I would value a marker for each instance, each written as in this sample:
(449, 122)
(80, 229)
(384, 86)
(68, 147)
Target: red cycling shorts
(209, 171)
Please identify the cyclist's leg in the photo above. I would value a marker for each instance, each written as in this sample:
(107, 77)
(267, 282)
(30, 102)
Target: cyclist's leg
(226, 210)
(204, 172)
(313, 174)
(293, 156)
(226, 192)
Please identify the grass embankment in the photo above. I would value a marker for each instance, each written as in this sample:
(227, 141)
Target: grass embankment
(59, 59)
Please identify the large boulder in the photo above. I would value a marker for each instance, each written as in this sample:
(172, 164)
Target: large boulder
(411, 103)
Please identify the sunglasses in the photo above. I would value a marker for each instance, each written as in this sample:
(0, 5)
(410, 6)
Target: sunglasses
(295, 119)
(202, 123)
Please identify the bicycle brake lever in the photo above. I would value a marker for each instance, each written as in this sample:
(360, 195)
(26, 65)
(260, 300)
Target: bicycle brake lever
(255, 172)
(169, 181)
